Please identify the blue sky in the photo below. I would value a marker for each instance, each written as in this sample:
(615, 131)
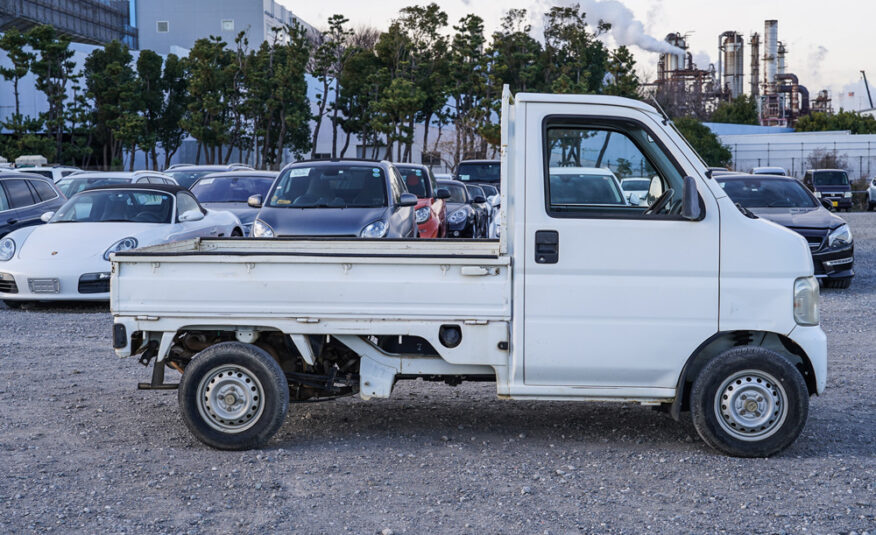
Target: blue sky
(828, 43)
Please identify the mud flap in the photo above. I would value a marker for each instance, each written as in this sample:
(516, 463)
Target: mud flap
(375, 379)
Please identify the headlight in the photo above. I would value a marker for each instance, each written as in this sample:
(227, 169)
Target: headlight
(261, 230)
(847, 195)
(839, 236)
(7, 249)
(806, 301)
(818, 194)
(374, 230)
(122, 245)
(423, 214)
(457, 217)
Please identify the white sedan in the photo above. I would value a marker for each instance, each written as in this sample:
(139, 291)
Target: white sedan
(68, 259)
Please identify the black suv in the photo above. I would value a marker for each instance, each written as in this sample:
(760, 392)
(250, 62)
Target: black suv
(479, 172)
(24, 199)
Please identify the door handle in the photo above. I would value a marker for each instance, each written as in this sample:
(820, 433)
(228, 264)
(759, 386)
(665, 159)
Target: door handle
(12, 221)
(547, 247)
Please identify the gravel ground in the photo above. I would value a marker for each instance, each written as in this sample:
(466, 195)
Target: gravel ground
(83, 451)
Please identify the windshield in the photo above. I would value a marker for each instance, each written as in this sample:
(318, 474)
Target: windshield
(231, 188)
(416, 180)
(490, 190)
(767, 193)
(831, 178)
(187, 178)
(635, 184)
(330, 186)
(73, 185)
(118, 205)
(479, 172)
(474, 191)
(457, 193)
(574, 189)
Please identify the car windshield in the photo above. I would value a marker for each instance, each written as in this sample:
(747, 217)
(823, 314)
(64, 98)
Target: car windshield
(117, 205)
(457, 193)
(572, 189)
(490, 190)
(635, 184)
(73, 185)
(475, 191)
(416, 179)
(767, 193)
(831, 178)
(187, 178)
(479, 172)
(330, 186)
(231, 188)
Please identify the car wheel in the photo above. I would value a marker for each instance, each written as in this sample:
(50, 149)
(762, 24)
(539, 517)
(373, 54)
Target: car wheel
(840, 284)
(749, 402)
(869, 206)
(233, 396)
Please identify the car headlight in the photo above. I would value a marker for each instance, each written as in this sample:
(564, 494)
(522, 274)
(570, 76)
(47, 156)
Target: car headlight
(261, 229)
(840, 236)
(122, 245)
(818, 194)
(7, 249)
(374, 230)
(457, 217)
(847, 195)
(423, 214)
(806, 301)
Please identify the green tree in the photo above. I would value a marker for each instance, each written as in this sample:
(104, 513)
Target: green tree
(174, 86)
(514, 53)
(623, 82)
(359, 92)
(741, 110)
(852, 121)
(54, 70)
(704, 141)
(150, 94)
(574, 60)
(469, 89)
(15, 43)
(326, 65)
(207, 117)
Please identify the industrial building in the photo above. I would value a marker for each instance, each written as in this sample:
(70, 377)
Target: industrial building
(167, 26)
(82, 21)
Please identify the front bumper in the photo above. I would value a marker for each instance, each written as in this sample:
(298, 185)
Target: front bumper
(429, 229)
(834, 263)
(88, 284)
(460, 230)
(841, 202)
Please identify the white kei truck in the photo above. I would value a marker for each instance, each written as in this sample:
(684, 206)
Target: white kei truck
(686, 302)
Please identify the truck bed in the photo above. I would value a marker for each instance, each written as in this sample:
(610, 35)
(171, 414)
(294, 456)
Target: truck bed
(315, 278)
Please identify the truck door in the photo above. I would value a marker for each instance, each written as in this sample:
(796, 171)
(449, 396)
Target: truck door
(615, 296)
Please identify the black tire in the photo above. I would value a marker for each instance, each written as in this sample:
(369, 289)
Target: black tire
(253, 372)
(870, 206)
(755, 373)
(840, 284)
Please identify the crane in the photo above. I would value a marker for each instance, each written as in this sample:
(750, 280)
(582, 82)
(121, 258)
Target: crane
(867, 87)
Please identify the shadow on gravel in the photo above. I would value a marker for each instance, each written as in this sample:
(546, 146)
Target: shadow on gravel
(59, 307)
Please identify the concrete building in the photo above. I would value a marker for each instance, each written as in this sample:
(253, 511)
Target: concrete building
(167, 26)
(82, 21)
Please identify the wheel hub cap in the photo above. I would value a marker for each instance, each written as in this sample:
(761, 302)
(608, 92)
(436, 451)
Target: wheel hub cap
(230, 398)
(751, 405)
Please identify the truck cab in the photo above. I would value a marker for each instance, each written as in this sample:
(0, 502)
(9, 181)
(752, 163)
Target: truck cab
(683, 301)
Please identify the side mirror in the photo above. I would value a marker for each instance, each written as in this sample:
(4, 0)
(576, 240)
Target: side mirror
(407, 199)
(47, 216)
(191, 215)
(442, 193)
(478, 199)
(824, 202)
(255, 201)
(690, 207)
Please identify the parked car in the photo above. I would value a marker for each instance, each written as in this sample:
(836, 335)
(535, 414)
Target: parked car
(482, 209)
(831, 185)
(775, 171)
(350, 198)
(636, 189)
(598, 185)
(871, 195)
(84, 180)
(431, 209)
(54, 173)
(479, 172)
(187, 174)
(231, 190)
(785, 201)
(461, 216)
(68, 259)
(494, 200)
(24, 198)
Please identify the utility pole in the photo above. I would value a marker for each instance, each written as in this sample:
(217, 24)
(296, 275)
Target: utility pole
(867, 87)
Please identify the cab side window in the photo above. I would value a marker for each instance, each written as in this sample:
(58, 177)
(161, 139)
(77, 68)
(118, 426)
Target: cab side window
(18, 193)
(185, 203)
(44, 190)
(4, 202)
(602, 169)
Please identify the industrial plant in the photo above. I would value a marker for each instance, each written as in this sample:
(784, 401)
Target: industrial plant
(688, 89)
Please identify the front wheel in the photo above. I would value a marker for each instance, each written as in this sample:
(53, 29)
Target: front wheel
(749, 402)
(233, 396)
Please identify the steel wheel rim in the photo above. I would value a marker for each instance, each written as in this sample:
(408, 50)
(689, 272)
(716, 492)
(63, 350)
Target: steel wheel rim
(751, 405)
(230, 398)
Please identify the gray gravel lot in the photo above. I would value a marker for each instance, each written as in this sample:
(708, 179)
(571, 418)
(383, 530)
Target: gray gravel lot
(83, 451)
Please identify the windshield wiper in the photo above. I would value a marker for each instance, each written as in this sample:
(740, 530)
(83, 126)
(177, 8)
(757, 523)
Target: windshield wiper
(746, 212)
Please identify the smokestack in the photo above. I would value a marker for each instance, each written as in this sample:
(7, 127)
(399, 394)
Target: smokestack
(755, 65)
(771, 52)
(781, 58)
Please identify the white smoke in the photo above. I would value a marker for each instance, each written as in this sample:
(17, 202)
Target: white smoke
(702, 60)
(625, 28)
(816, 58)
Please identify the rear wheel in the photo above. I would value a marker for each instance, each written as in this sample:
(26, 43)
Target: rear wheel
(840, 284)
(233, 396)
(749, 402)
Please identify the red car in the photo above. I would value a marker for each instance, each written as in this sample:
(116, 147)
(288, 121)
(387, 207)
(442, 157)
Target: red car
(431, 210)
